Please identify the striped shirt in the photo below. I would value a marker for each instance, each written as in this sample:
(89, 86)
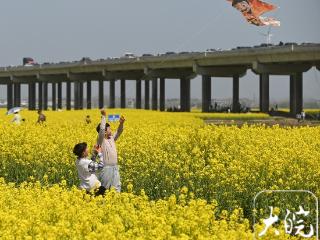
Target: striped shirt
(86, 172)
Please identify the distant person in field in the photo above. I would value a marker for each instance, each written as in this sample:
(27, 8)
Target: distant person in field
(109, 176)
(87, 168)
(88, 119)
(17, 118)
(41, 117)
(303, 115)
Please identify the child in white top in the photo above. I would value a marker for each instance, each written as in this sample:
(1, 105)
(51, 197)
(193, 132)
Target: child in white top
(87, 167)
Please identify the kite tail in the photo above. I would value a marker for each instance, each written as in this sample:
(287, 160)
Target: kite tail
(267, 21)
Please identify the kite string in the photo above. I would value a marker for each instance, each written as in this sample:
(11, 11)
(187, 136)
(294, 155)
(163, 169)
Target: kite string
(205, 26)
(209, 21)
(201, 30)
(316, 76)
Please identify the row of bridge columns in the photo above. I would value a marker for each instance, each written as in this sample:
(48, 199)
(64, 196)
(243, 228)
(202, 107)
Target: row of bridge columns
(14, 94)
(296, 93)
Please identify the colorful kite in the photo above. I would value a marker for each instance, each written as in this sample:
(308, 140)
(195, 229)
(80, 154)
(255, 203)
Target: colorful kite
(252, 11)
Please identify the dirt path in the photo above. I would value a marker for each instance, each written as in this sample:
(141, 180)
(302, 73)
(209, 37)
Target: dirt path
(283, 122)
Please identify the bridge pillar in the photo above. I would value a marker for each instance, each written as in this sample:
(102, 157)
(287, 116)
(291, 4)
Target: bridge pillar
(123, 93)
(296, 93)
(34, 97)
(162, 94)
(60, 95)
(235, 95)
(138, 94)
(40, 95)
(154, 94)
(206, 93)
(101, 94)
(68, 96)
(17, 94)
(45, 96)
(89, 94)
(146, 94)
(76, 99)
(112, 91)
(185, 94)
(54, 96)
(80, 95)
(31, 96)
(264, 92)
(9, 96)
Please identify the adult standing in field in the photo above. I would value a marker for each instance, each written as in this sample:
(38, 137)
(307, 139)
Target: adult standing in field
(88, 119)
(109, 176)
(303, 115)
(41, 117)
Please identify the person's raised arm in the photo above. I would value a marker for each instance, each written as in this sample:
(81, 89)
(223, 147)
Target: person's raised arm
(102, 127)
(120, 128)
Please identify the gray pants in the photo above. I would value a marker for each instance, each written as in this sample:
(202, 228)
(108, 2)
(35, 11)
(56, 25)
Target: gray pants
(110, 177)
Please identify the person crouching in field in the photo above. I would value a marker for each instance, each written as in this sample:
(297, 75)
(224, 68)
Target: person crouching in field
(87, 167)
(109, 175)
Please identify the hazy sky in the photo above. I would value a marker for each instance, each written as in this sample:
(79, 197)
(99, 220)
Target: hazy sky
(59, 30)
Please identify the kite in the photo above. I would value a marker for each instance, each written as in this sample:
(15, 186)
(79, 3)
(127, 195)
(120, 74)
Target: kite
(252, 11)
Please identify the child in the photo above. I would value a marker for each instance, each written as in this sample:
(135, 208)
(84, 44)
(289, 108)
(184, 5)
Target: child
(86, 168)
(110, 176)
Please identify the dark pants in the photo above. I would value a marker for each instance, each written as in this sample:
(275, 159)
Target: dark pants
(100, 191)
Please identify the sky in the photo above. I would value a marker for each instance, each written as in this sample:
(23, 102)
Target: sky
(54, 31)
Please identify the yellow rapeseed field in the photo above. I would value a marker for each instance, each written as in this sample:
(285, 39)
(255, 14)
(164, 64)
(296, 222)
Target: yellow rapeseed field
(181, 179)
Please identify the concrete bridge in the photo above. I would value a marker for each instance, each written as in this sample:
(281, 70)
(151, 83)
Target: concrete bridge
(291, 60)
